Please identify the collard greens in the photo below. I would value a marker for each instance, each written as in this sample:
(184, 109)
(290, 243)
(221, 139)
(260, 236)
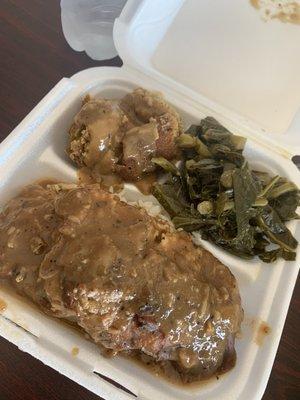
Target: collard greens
(215, 192)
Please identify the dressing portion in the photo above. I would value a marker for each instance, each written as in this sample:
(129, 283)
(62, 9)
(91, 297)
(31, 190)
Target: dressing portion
(116, 140)
(95, 138)
(128, 280)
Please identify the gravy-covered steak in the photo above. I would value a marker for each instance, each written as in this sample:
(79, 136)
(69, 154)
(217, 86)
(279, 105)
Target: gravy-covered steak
(131, 282)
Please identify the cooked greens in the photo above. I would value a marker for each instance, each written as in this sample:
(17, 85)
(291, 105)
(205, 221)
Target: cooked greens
(215, 192)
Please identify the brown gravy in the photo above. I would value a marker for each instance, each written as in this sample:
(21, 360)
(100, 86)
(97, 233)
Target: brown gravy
(81, 253)
(168, 374)
(145, 184)
(3, 305)
(262, 332)
(86, 176)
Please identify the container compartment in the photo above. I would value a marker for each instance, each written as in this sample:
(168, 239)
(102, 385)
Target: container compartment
(36, 149)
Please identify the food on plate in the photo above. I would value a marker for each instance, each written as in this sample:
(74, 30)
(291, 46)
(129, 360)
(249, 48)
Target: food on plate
(116, 140)
(130, 281)
(212, 190)
(141, 105)
(138, 285)
(215, 192)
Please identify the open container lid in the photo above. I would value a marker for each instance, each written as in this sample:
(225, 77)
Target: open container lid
(36, 149)
(221, 54)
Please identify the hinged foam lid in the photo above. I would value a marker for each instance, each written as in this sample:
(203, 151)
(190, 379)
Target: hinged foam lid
(223, 54)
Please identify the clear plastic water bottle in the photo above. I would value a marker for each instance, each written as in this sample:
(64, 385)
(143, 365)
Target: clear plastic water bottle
(88, 25)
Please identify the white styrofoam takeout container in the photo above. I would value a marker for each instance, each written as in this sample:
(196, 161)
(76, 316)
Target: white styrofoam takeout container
(172, 46)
